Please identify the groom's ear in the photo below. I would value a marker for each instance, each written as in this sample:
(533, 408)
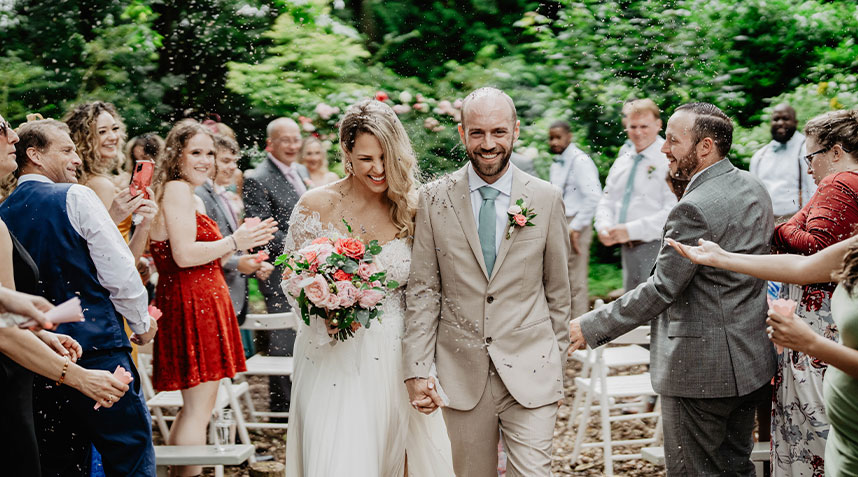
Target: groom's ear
(461, 132)
(516, 130)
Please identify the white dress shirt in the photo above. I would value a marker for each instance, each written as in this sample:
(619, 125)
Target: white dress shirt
(577, 176)
(779, 167)
(502, 202)
(651, 198)
(114, 263)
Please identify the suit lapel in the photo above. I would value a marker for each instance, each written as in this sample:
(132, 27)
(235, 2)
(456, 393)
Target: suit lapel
(519, 190)
(460, 196)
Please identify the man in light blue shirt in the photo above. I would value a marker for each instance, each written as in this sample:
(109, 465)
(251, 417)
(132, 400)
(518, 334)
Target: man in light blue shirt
(577, 176)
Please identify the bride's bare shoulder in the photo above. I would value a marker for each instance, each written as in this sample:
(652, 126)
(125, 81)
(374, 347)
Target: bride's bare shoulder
(322, 200)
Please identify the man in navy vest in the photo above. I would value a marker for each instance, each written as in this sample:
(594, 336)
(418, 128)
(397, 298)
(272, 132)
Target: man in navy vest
(80, 252)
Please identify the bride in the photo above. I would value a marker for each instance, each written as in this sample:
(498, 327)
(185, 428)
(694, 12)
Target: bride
(350, 414)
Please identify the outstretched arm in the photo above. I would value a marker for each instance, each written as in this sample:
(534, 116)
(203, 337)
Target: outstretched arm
(798, 269)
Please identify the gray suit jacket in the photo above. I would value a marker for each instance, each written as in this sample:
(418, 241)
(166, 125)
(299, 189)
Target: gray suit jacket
(236, 282)
(267, 193)
(708, 325)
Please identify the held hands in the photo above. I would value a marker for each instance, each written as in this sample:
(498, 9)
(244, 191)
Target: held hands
(790, 332)
(576, 336)
(422, 394)
(617, 234)
(251, 236)
(248, 265)
(30, 306)
(264, 271)
(146, 337)
(707, 253)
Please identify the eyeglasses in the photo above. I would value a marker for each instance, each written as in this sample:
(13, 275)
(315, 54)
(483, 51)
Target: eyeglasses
(809, 158)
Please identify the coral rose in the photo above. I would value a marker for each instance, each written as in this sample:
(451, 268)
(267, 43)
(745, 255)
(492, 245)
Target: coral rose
(370, 297)
(520, 220)
(317, 291)
(347, 293)
(342, 276)
(350, 247)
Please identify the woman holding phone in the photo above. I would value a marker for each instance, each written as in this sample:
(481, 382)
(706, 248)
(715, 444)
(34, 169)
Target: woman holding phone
(99, 133)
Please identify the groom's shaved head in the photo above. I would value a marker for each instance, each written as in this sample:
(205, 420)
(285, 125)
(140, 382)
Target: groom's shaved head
(487, 95)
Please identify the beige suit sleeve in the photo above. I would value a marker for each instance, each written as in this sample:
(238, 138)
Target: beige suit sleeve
(556, 272)
(423, 298)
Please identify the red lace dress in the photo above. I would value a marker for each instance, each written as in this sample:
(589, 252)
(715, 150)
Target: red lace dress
(198, 338)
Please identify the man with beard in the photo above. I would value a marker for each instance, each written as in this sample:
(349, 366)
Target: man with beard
(578, 178)
(488, 299)
(779, 165)
(711, 357)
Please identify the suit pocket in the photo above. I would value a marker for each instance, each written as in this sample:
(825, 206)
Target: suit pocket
(689, 329)
(530, 325)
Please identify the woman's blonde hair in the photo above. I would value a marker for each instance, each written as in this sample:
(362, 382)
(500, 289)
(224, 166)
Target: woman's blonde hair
(83, 123)
(376, 118)
(307, 142)
(170, 162)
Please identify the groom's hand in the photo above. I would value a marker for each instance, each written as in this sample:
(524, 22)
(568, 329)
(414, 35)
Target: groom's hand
(576, 337)
(422, 395)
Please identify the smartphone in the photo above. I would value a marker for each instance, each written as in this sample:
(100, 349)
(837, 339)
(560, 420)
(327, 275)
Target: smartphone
(142, 178)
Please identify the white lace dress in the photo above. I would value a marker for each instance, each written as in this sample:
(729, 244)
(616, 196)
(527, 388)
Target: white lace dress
(350, 414)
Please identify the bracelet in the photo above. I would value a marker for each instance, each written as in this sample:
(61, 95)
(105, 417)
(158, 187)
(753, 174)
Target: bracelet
(63, 376)
(234, 244)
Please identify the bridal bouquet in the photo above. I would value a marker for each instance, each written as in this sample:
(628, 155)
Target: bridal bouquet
(338, 281)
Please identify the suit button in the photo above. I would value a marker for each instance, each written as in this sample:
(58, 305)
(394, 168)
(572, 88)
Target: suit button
(489, 340)
(490, 299)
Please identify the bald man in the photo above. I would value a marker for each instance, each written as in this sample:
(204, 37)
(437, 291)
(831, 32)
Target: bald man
(780, 167)
(272, 190)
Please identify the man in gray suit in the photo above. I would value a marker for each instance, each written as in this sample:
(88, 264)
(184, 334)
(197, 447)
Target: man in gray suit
(711, 357)
(239, 266)
(272, 190)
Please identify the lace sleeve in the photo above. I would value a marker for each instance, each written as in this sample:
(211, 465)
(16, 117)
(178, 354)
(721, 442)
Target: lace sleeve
(305, 226)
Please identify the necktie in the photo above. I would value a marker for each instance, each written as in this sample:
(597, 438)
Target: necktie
(630, 187)
(488, 226)
(295, 180)
(230, 214)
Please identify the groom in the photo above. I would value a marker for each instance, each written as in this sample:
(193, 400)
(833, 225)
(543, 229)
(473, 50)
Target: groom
(488, 302)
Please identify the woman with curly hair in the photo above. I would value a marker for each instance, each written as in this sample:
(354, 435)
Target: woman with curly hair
(99, 134)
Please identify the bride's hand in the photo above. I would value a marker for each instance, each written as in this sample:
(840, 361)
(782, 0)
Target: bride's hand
(707, 253)
(332, 330)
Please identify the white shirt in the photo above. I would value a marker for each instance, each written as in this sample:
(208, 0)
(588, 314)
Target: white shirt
(504, 185)
(577, 176)
(779, 169)
(114, 263)
(651, 198)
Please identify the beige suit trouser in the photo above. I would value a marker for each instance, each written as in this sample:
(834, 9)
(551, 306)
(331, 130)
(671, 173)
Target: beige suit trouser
(579, 273)
(527, 434)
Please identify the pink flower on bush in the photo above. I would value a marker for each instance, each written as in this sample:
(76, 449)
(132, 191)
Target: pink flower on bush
(366, 270)
(422, 107)
(369, 298)
(401, 109)
(457, 104)
(317, 291)
(381, 96)
(347, 293)
(325, 111)
(520, 220)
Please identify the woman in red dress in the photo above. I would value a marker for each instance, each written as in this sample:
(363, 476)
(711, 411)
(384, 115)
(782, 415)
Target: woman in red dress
(198, 341)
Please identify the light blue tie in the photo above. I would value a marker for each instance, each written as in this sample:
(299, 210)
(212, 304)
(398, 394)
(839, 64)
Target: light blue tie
(488, 226)
(630, 187)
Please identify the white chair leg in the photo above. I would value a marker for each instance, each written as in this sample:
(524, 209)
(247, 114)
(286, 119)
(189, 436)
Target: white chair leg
(605, 413)
(218, 471)
(162, 423)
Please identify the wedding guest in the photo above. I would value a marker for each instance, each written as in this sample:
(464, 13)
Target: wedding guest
(88, 258)
(829, 217)
(711, 358)
(780, 167)
(99, 133)
(634, 205)
(200, 341)
(578, 178)
(315, 159)
(271, 191)
(837, 262)
(146, 147)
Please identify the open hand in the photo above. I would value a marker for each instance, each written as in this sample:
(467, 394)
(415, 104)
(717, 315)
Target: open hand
(248, 237)
(707, 253)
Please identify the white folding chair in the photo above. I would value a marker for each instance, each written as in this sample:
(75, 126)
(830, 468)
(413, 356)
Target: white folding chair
(260, 365)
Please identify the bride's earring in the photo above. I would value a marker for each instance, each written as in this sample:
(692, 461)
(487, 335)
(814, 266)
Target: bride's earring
(348, 167)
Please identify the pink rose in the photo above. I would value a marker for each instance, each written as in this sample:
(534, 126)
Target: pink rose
(520, 220)
(322, 240)
(514, 210)
(317, 291)
(347, 293)
(316, 254)
(783, 306)
(366, 270)
(332, 302)
(350, 247)
(369, 298)
(290, 285)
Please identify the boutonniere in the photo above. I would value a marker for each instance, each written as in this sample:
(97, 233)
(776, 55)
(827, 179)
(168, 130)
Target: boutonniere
(649, 171)
(519, 216)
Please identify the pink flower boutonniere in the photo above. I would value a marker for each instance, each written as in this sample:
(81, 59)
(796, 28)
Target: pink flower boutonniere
(519, 216)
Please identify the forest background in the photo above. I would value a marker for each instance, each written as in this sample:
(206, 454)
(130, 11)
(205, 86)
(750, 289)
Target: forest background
(249, 61)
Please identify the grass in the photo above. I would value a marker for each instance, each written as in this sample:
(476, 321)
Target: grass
(604, 277)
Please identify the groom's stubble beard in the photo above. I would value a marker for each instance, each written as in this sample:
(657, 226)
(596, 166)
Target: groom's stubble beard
(489, 171)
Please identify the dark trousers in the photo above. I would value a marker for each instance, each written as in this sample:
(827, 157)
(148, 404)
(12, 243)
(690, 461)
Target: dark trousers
(67, 425)
(279, 343)
(710, 437)
(19, 451)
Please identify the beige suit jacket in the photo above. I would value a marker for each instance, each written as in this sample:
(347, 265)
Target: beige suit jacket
(460, 318)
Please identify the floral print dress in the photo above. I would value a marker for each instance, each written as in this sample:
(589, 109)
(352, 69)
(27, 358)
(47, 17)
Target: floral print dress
(799, 423)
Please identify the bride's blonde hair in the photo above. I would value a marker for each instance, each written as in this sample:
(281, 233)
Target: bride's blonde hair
(376, 118)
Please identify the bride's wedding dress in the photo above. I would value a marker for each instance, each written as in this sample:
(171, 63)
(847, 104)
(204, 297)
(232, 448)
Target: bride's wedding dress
(350, 414)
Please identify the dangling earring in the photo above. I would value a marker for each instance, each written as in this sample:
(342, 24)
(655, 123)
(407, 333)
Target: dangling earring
(348, 167)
